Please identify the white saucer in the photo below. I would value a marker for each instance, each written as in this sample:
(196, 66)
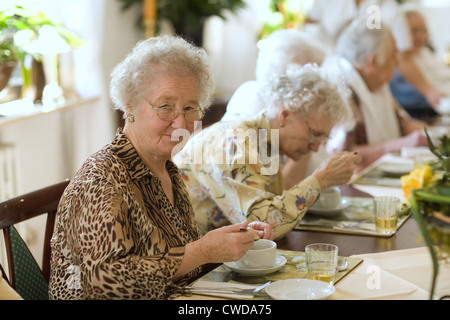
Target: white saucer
(279, 262)
(396, 169)
(299, 289)
(345, 203)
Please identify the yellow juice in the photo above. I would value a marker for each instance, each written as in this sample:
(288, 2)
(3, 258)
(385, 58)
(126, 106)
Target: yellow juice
(322, 272)
(386, 223)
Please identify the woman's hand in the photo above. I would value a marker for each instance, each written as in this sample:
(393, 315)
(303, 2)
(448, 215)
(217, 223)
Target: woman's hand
(227, 243)
(263, 229)
(337, 170)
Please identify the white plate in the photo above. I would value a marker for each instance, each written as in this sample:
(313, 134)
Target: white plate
(345, 203)
(279, 262)
(396, 169)
(300, 289)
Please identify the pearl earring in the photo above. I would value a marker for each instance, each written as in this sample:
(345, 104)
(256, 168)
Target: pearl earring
(130, 118)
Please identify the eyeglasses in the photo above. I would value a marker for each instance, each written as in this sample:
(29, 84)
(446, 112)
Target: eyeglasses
(315, 136)
(169, 113)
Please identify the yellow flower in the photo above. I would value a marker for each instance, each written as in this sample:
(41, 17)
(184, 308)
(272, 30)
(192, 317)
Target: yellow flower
(418, 178)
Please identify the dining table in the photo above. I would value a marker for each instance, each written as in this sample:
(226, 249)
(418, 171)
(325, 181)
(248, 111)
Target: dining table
(395, 267)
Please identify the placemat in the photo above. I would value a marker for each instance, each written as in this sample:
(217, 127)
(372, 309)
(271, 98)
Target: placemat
(358, 218)
(295, 268)
(376, 175)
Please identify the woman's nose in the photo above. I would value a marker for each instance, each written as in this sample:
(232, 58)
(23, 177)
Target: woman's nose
(179, 122)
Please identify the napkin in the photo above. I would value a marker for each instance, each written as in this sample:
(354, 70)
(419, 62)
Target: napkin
(222, 285)
(399, 274)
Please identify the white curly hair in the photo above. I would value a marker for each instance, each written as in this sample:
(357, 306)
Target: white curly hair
(172, 55)
(306, 89)
(284, 47)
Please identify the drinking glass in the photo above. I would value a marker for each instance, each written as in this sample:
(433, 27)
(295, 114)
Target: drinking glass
(385, 209)
(321, 261)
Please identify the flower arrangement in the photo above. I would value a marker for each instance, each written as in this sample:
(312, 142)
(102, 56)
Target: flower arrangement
(428, 190)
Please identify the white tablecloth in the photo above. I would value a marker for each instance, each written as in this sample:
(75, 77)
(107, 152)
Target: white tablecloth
(401, 274)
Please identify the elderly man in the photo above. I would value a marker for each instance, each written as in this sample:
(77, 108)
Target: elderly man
(433, 68)
(367, 59)
(334, 14)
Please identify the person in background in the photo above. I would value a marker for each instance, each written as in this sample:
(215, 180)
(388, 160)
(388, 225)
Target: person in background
(367, 59)
(275, 53)
(434, 69)
(334, 15)
(125, 227)
(280, 49)
(231, 169)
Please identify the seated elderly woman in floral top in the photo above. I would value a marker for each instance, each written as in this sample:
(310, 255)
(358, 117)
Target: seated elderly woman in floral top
(125, 228)
(231, 169)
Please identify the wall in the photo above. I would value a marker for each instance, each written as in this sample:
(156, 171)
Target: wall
(52, 146)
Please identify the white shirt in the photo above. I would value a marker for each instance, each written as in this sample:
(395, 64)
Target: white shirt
(435, 71)
(244, 102)
(334, 15)
(378, 108)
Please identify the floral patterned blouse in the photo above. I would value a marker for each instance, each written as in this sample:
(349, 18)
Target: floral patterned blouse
(117, 235)
(226, 186)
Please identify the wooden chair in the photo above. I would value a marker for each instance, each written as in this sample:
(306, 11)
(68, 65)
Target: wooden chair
(25, 275)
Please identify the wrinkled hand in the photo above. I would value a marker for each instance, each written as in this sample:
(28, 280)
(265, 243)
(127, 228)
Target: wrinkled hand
(337, 170)
(263, 229)
(226, 244)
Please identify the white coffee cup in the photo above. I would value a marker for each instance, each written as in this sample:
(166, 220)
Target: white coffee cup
(263, 254)
(329, 198)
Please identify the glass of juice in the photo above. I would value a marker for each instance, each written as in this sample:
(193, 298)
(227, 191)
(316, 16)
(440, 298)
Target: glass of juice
(385, 209)
(321, 261)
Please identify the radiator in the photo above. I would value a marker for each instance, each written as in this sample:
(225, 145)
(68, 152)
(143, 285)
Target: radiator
(8, 171)
(8, 185)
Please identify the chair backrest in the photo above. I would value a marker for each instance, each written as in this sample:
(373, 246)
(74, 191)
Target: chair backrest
(25, 276)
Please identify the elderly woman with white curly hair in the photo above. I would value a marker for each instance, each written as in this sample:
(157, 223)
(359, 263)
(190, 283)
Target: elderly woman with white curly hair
(231, 169)
(125, 228)
(280, 49)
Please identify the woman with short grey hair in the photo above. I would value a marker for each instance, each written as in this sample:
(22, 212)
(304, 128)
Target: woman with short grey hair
(231, 168)
(280, 49)
(125, 228)
(130, 79)
(308, 89)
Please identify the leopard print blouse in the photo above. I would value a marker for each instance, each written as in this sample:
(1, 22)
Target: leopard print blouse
(117, 236)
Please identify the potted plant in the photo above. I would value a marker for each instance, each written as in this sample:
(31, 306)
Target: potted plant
(20, 28)
(188, 16)
(285, 14)
(428, 190)
(8, 62)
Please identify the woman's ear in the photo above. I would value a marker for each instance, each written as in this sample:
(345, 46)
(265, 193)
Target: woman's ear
(282, 116)
(371, 61)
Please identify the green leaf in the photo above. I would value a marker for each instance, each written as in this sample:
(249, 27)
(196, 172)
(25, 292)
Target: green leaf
(423, 230)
